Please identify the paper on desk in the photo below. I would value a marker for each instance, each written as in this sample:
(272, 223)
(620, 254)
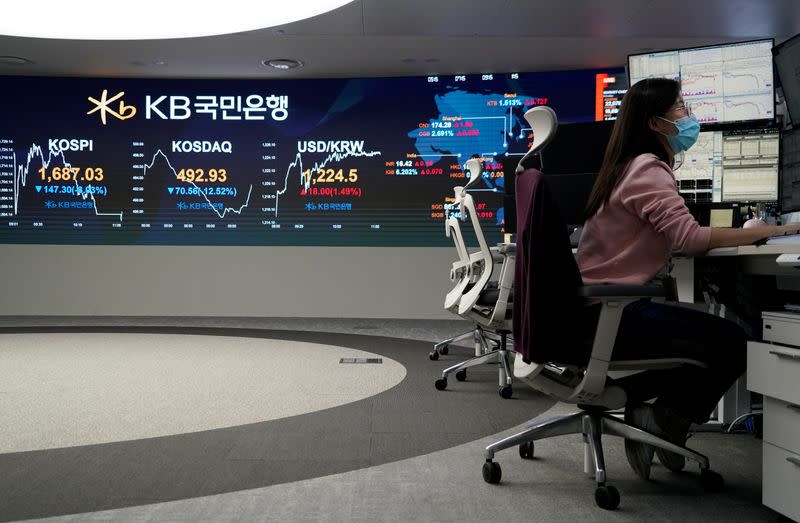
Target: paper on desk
(792, 239)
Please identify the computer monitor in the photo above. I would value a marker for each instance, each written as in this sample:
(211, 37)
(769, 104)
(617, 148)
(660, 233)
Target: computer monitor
(721, 83)
(787, 59)
(731, 166)
(790, 171)
(571, 162)
(577, 148)
(571, 194)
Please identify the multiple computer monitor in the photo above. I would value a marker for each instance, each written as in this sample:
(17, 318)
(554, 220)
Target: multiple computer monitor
(730, 88)
(738, 158)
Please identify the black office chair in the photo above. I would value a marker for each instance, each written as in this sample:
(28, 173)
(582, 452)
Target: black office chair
(569, 359)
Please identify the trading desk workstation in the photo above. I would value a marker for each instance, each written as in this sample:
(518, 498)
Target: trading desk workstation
(773, 368)
(315, 189)
(741, 168)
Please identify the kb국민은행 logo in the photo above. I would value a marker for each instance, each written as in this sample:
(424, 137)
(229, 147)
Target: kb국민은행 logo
(123, 113)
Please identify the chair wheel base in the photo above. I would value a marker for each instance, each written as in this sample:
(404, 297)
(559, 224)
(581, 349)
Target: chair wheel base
(711, 481)
(461, 375)
(606, 497)
(506, 391)
(492, 472)
(526, 450)
(444, 350)
(434, 355)
(441, 384)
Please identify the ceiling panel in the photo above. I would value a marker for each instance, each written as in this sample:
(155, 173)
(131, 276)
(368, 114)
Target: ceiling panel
(735, 19)
(391, 38)
(335, 56)
(344, 21)
(725, 18)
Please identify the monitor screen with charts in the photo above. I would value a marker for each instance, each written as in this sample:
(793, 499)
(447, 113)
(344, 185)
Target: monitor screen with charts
(722, 83)
(731, 166)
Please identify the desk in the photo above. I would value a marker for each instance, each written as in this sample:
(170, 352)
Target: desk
(752, 260)
(773, 370)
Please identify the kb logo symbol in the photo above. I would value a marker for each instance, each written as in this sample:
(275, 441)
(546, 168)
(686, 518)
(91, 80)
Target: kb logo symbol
(102, 105)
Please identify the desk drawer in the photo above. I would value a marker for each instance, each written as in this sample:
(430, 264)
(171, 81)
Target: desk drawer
(773, 370)
(782, 424)
(781, 476)
(781, 327)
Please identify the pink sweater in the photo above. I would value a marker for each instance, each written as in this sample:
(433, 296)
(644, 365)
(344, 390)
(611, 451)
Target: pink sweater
(630, 239)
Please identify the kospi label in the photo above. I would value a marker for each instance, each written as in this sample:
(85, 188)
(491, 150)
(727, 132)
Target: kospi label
(70, 144)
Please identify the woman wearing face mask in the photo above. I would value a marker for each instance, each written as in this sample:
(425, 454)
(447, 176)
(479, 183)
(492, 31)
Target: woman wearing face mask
(635, 219)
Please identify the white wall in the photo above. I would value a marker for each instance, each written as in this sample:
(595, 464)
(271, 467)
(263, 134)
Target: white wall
(225, 281)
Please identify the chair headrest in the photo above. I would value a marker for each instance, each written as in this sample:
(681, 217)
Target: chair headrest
(543, 122)
(474, 168)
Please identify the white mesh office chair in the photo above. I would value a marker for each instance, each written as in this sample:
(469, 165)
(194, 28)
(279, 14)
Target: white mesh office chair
(477, 296)
(587, 385)
(465, 277)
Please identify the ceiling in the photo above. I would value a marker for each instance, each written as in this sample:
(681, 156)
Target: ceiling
(420, 37)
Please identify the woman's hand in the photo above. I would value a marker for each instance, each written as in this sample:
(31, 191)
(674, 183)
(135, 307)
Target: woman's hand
(725, 237)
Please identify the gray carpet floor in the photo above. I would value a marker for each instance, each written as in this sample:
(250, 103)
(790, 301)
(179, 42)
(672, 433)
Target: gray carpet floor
(411, 479)
(409, 419)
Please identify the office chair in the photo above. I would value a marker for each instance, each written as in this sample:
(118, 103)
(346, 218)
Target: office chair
(546, 335)
(464, 277)
(476, 296)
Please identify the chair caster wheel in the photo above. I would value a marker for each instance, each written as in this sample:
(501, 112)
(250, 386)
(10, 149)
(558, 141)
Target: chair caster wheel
(606, 497)
(434, 355)
(492, 472)
(506, 392)
(711, 481)
(461, 375)
(444, 350)
(441, 384)
(526, 450)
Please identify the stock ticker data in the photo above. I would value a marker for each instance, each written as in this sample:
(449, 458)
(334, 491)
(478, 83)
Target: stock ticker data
(722, 83)
(354, 162)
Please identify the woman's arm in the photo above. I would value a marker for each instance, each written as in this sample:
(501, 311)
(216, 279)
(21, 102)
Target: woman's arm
(723, 237)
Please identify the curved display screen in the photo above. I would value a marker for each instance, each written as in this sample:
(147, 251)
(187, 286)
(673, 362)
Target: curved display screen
(361, 162)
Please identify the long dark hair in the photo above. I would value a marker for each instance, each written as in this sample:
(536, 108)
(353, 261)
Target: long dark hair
(632, 135)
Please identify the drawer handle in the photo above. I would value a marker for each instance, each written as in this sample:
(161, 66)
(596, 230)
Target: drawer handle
(784, 355)
(793, 460)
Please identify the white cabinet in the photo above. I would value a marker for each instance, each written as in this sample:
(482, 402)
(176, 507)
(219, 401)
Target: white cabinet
(782, 425)
(774, 371)
(781, 480)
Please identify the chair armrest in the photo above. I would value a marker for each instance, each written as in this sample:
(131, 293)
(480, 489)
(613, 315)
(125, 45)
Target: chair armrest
(613, 298)
(612, 291)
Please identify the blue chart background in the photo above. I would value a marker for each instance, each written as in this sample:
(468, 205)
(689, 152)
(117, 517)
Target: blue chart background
(386, 114)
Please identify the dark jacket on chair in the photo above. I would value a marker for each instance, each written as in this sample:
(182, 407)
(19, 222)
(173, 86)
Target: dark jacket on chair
(547, 310)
